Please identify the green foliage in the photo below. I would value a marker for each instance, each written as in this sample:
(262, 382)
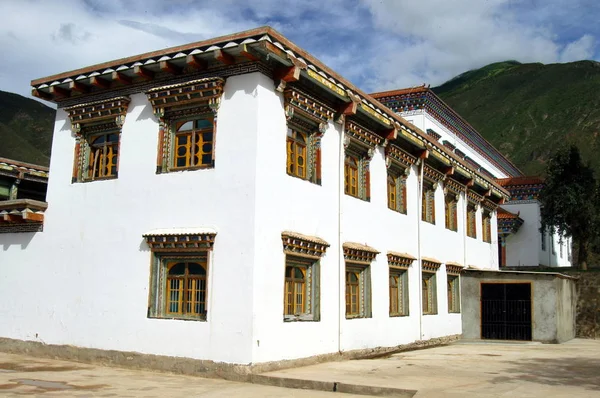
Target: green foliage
(528, 111)
(25, 129)
(569, 199)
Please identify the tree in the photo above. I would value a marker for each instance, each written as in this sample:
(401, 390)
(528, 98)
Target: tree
(569, 200)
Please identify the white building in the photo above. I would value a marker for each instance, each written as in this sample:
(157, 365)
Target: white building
(235, 200)
(522, 243)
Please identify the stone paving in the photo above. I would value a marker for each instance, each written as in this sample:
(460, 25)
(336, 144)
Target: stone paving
(474, 369)
(463, 369)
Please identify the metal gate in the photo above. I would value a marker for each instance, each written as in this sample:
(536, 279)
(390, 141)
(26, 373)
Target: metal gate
(506, 311)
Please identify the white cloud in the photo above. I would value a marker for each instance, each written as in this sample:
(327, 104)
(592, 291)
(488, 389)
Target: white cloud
(579, 49)
(377, 44)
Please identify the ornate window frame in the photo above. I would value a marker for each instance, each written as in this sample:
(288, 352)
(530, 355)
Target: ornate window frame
(309, 117)
(398, 264)
(473, 201)
(431, 179)
(173, 104)
(170, 246)
(398, 163)
(453, 271)
(452, 192)
(359, 146)
(429, 268)
(302, 253)
(358, 258)
(88, 122)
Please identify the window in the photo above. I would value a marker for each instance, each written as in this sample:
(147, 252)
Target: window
(453, 294)
(396, 190)
(561, 248)
(186, 288)
(351, 176)
(358, 279)
(429, 269)
(450, 204)
(296, 154)
(179, 274)
(300, 294)
(398, 282)
(97, 128)
(552, 243)
(429, 294)
(302, 276)
(193, 143)
(471, 220)
(187, 115)
(428, 202)
(486, 223)
(307, 120)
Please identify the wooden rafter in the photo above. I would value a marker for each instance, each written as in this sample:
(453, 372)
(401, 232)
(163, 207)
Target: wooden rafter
(122, 78)
(223, 57)
(59, 92)
(79, 87)
(196, 62)
(144, 73)
(99, 82)
(170, 67)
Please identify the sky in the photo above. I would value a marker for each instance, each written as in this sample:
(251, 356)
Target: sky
(376, 44)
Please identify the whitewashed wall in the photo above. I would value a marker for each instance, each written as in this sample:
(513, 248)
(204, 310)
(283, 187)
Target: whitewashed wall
(525, 247)
(424, 121)
(86, 277)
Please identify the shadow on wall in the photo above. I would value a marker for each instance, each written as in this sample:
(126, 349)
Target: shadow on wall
(22, 239)
(569, 371)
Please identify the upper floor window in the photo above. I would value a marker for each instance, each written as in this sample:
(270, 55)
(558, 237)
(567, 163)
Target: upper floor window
(428, 202)
(193, 141)
(97, 128)
(398, 164)
(396, 190)
(187, 115)
(450, 206)
(359, 148)
(486, 224)
(472, 220)
(301, 299)
(307, 120)
(351, 176)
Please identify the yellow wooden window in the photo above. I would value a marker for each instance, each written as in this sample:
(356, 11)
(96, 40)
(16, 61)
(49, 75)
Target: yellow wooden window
(104, 152)
(296, 154)
(471, 221)
(193, 143)
(392, 192)
(398, 293)
(186, 289)
(486, 227)
(394, 301)
(428, 204)
(453, 294)
(351, 176)
(451, 216)
(353, 299)
(428, 293)
(295, 290)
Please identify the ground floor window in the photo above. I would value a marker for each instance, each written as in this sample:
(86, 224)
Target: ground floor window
(398, 292)
(429, 294)
(358, 299)
(453, 294)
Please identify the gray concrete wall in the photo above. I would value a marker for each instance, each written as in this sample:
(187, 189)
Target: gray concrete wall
(554, 300)
(566, 309)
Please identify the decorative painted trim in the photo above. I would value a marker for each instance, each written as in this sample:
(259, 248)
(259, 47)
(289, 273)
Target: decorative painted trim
(453, 186)
(474, 197)
(183, 242)
(432, 174)
(303, 245)
(453, 268)
(395, 154)
(489, 205)
(92, 112)
(430, 264)
(359, 253)
(362, 134)
(298, 103)
(400, 260)
(207, 92)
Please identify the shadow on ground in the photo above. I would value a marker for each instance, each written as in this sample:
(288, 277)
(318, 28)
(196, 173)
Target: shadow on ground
(567, 371)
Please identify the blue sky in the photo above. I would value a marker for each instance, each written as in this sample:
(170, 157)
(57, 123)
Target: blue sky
(377, 44)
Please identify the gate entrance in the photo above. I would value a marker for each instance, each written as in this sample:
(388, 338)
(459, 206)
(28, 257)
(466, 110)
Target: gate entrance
(506, 311)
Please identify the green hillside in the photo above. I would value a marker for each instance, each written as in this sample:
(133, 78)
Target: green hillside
(25, 129)
(527, 111)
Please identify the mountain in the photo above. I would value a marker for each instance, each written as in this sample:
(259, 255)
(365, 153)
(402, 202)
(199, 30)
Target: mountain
(25, 129)
(528, 111)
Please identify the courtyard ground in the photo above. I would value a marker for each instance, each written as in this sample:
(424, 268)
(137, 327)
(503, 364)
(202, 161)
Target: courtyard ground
(462, 369)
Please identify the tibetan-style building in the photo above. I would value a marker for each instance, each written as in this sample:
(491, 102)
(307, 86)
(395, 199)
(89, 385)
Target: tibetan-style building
(235, 200)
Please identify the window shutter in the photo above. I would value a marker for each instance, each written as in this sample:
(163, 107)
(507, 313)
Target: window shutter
(316, 291)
